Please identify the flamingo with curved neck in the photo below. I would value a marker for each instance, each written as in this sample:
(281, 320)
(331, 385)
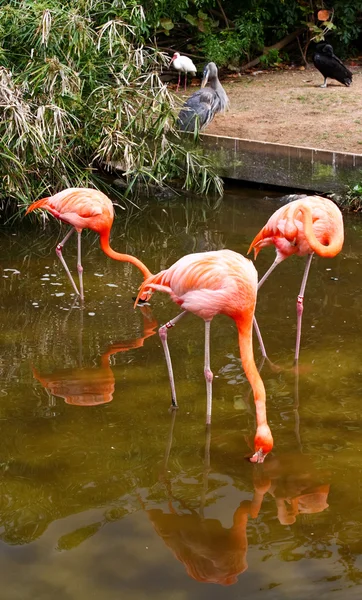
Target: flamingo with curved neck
(302, 227)
(85, 208)
(208, 284)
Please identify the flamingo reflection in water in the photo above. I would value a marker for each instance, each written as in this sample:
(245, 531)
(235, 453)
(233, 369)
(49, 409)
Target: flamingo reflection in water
(94, 386)
(212, 553)
(296, 485)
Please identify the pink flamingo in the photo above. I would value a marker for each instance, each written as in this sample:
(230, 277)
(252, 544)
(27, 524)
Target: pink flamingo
(85, 208)
(303, 227)
(207, 284)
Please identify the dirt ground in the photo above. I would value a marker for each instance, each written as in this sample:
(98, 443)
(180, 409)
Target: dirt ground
(289, 107)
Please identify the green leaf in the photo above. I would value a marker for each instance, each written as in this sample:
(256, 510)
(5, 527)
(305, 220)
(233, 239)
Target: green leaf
(316, 29)
(190, 19)
(167, 24)
(329, 25)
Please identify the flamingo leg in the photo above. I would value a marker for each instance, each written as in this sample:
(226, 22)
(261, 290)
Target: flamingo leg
(270, 270)
(79, 266)
(163, 336)
(179, 79)
(59, 254)
(260, 339)
(256, 326)
(208, 373)
(185, 80)
(300, 305)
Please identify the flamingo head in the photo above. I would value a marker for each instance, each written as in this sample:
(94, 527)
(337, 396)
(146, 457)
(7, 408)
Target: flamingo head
(143, 299)
(263, 443)
(175, 56)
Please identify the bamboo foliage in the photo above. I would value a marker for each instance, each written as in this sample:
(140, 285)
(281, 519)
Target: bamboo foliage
(78, 87)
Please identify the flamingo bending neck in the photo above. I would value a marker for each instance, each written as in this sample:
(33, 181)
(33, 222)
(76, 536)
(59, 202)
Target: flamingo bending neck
(104, 241)
(327, 251)
(263, 441)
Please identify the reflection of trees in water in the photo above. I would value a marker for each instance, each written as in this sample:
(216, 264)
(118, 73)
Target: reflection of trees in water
(176, 228)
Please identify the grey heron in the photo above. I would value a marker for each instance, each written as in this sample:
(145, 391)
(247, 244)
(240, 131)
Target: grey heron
(200, 109)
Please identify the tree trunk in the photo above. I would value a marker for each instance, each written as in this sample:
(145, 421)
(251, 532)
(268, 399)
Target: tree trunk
(278, 46)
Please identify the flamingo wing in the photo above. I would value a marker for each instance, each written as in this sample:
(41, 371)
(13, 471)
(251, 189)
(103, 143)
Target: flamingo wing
(208, 283)
(77, 206)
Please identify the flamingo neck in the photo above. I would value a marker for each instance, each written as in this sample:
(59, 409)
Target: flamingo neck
(334, 246)
(263, 438)
(104, 241)
(249, 366)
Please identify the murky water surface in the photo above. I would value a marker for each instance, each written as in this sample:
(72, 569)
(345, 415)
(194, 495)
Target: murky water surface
(90, 508)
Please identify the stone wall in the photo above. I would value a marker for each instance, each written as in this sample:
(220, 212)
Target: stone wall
(278, 164)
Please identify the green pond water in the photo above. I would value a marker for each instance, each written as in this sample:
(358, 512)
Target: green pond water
(89, 506)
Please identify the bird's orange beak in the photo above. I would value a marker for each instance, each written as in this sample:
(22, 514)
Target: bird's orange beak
(142, 297)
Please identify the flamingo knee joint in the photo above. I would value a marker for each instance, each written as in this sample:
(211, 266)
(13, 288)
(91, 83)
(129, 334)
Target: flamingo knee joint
(209, 376)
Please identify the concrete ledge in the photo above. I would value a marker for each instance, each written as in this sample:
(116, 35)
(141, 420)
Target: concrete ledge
(279, 164)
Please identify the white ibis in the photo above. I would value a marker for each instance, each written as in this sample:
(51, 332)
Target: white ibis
(203, 105)
(183, 64)
(330, 65)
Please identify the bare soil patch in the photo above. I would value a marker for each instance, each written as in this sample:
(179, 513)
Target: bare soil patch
(289, 107)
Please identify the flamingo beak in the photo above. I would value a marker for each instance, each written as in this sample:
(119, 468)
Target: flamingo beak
(145, 298)
(258, 457)
(142, 299)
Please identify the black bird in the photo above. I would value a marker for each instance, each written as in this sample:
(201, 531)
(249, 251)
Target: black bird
(330, 65)
(200, 109)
